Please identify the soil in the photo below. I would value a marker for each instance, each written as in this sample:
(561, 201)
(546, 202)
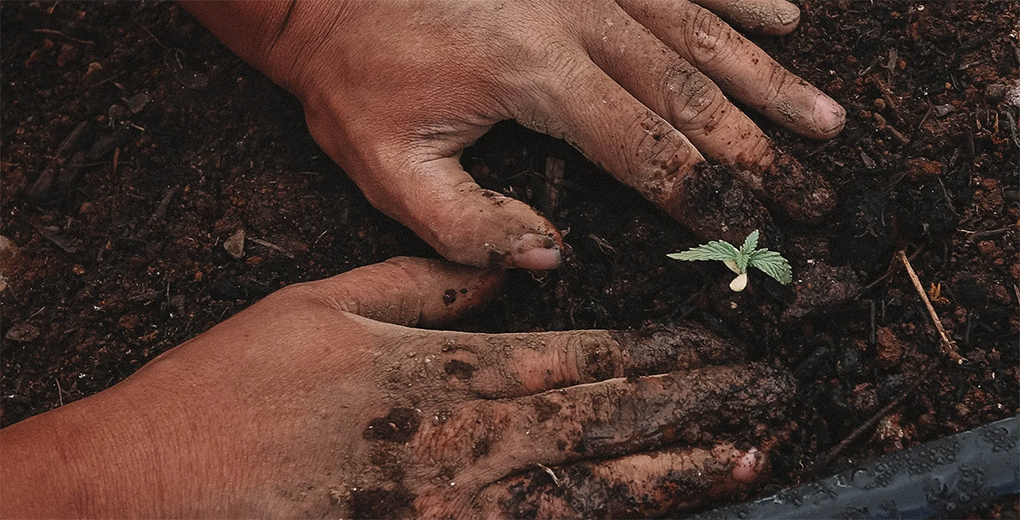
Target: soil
(135, 146)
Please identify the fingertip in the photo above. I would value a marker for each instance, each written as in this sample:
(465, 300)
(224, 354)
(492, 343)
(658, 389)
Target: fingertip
(786, 19)
(750, 467)
(486, 229)
(828, 116)
(768, 17)
(534, 251)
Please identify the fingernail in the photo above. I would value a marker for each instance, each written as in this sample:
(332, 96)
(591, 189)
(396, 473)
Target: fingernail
(748, 467)
(533, 251)
(829, 116)
(787, 14)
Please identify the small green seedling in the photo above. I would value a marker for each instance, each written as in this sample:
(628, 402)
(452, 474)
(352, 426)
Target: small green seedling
(738, 260)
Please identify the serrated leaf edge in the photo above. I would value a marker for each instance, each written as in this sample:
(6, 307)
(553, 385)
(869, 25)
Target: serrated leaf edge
(773, 264)
(714, 250)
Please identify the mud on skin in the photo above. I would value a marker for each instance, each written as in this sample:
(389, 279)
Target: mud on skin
(715, 205)
(583, 491)
(414, 451)
(628, 417)
(398, 426)
(689, 346)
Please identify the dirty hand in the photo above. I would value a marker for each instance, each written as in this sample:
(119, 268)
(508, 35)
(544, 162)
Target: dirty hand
(321, 401)
(394, 91)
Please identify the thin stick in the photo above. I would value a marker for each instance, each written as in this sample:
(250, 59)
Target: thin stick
(272, 246)
(555, 479)
(948, 346)
(870, 423)
(974, 235)
(58, 33)
(891, 271)
(163, 204)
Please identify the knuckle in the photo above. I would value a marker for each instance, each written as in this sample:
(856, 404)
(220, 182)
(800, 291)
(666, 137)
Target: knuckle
(294, 294)
(710, 37)
(757, 151)
(465, 434)
(526, 58)
(698, 102)
(779, 82)
(659, 157)
(457, 224)
(593, 357)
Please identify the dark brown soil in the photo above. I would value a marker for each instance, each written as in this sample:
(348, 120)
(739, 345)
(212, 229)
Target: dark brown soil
(117, 254)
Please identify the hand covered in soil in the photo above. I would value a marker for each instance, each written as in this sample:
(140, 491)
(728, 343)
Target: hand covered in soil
(321, 401)
(394, 91)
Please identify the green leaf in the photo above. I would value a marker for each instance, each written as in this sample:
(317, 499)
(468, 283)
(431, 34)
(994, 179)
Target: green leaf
(714, 250)
(744, 255)
(750, 243)
(772, 264)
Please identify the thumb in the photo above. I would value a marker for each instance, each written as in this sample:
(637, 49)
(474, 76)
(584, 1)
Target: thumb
(408, 291)
(467, 224)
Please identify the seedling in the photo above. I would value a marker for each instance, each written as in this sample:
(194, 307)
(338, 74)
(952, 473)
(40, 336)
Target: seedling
(738, 260)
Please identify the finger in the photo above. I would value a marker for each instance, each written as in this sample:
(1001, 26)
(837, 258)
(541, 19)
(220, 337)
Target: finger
(601, 420)
(469, 225)
(663, 81)
(771, 17)
(742, 69)
(666, 83)
(580, 103)
(583, 105)
(408, 291)
(644, 485)
(512, 365)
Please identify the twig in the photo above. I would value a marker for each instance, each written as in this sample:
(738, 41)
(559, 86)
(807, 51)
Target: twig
(161, 207)
(887, 95)
(904, 140)
(948, 347)
(974, 235)
(60, 391)
(873, 420)
(555, 479)
(890, 272)
(272, 246)
(62, 35)
(107, 80)
(36, 313)
(821, 148)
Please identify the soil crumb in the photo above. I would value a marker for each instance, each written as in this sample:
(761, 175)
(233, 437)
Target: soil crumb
(398, 426)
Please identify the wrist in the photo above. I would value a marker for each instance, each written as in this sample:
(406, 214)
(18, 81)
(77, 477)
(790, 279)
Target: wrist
(278, 37)
(127, 452)
(72, 462)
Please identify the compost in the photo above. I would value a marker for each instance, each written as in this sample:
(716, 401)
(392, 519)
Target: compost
(136, 147)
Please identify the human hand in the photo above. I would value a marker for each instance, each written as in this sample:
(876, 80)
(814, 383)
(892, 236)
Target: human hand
(394, 91)
(321, 401)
